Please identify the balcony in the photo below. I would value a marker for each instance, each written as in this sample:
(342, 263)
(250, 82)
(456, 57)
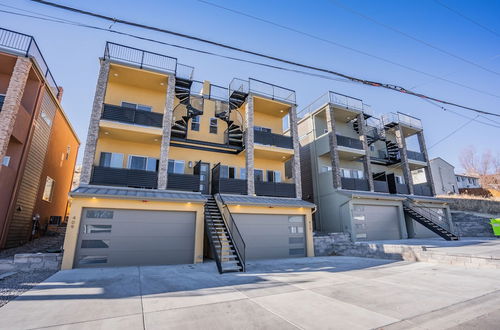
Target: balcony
(349, 142)
(186, 182)
(124, 177)
(275, 189)
(229, 186)
(380, 186)
(273, 139)
(132, 116)
(355, 184)
(422, 189)
(413, 155)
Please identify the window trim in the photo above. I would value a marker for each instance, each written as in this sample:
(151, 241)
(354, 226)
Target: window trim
(197, 123)
(110, 160)
(129, 160)
(254, 176)
(213, 126)
(177, 161)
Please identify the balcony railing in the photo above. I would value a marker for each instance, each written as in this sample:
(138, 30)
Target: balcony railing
(402, 188)
(132, 116)
(102, 175)
(342, 100)
(229, 186)
(422, 189)
(415, 155)
(273, 139)
(26, 45)
(275, 189)
(380, 186)
(186, 182)
(401, 118)
(349, 142)
(355, 184)
(219, 93)
(272, 91)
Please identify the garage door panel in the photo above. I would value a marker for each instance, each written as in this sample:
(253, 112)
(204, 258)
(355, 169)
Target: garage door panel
(376, 222)
(134, 237)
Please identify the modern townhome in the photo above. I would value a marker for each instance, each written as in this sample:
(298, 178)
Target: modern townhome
(38, 146)
(443, 176)
(357, 169)
(177, 170)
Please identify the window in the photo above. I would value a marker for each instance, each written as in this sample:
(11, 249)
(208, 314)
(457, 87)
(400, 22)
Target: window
(176, 166)
(48, 189)
(46, 118)
(228, 172)
(143, 163)
(96, 229)
(325, 169)
(99, 214)
(350, 173)
(68, 151)
(6, 161)
(88, 260)
(243, 173)
(399, 179)
(195, 123)
(258, 175)
(213, 125)
(273, 176)
(135, 106)
(111, 159)
(95, 244)
(262, 129)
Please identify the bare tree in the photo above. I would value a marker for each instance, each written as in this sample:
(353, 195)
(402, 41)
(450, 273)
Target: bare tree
(485, 166)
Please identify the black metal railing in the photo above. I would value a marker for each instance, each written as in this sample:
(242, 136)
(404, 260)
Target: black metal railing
(227, 185)
(233, 230)
(185, 182)
(275, 189)
(132, 116)
(439, 219)
(216, 249)
(349, 142)
(140, 58)
(380, 186)
(272, 91)
(124, 177)
(355, 184)
(26, 45)
(415, 155)
(402, 188)
(273, 139)
(422, 189)
(219, 93)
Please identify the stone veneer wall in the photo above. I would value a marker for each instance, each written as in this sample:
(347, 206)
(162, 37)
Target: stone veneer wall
(324, 244)
(469, 224)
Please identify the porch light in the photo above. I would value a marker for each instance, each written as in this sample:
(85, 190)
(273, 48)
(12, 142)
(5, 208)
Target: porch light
(162, 83)
(156, 140)
(115, 74)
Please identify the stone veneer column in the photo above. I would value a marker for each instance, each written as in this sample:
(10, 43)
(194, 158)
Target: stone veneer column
(400, 139)
(12, 102)
(249, 145)
(294, 132)
(332, 140)
(367, 166)
(167, 130)
(95, 117)
(423, 150)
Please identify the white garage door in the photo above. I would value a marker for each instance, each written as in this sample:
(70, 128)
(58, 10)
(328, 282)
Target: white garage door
(376, 222)
(272, 236)
(117, 237)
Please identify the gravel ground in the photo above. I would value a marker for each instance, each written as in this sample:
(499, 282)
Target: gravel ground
(51, 242)
(15, 285)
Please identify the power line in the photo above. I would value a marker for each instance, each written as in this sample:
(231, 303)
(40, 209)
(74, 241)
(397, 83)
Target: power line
(468, 18)
(420, 41)
(274, 58)
(329, 41)
(452, 132)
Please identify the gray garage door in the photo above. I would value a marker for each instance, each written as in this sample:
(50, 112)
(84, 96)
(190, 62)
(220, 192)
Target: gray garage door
(272, 236)
(116, 237)
(376, 222)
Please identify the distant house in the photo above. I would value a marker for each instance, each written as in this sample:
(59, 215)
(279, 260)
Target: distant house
(443, 176)
(467, 181)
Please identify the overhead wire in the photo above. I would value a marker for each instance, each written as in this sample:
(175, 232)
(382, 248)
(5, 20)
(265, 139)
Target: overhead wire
(270, 57)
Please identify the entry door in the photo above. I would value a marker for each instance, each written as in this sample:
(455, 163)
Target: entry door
(205, 178)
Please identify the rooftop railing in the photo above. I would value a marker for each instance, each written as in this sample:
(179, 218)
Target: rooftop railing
(219, 93)
(239, 85)
(272, 91)
(342, 100)
(401, 118)
(25, 45)
(141, 58)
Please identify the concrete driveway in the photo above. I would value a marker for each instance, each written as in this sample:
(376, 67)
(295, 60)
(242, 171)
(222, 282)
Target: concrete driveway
(307, 293)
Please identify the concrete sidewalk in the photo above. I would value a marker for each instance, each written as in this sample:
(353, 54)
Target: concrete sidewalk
(306, 293)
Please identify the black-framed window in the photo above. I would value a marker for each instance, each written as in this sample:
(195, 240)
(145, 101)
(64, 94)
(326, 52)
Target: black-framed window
(143, 163)
(273, 176)
(136, 106)
(213, 125)
(111, 159)
(195, 123)
(262, 129)
(228, 172)
(175, 166)
(258, 175)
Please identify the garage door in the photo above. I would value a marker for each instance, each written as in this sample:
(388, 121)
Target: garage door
(272, 236)
(116, 237)
(376, 222)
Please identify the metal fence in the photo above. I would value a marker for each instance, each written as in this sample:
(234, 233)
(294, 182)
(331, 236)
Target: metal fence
(335, 98)
(219, 93)
(141, 58)
(272, 91)
(401, 118)
(26, 45)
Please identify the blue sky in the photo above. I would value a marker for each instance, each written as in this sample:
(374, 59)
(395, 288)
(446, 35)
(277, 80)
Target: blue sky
(72, 53)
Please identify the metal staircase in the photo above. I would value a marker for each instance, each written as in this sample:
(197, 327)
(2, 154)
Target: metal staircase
(431, 220)
(224, 238)
(234, 132)
(183, 93)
